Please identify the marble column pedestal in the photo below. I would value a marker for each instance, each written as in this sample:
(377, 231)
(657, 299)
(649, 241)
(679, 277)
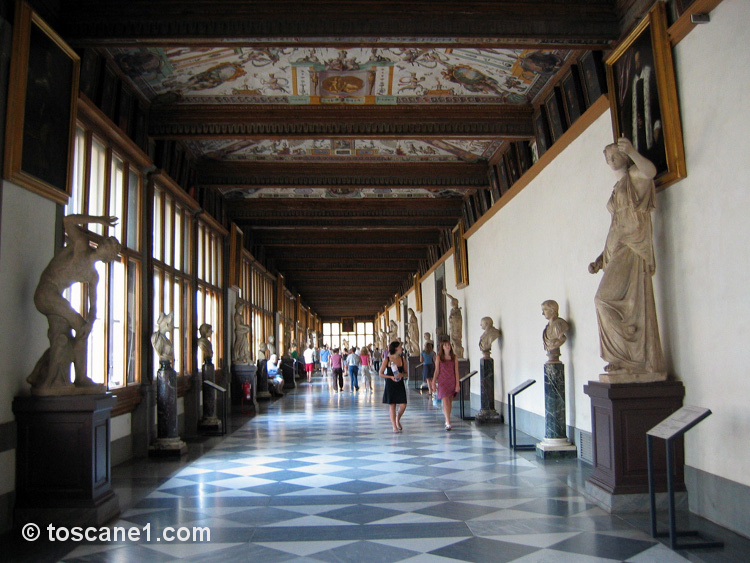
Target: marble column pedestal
(488, 414)
(168, 442)
(210, 422)
(555, 444)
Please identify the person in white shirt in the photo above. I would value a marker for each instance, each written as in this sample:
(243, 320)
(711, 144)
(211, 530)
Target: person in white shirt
(309, 356)
(353, 362)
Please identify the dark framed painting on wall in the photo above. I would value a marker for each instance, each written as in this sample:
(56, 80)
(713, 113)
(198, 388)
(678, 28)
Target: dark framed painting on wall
(541, 131)
(502, 176)
(511, 165)
(494, 183)
(555, 116)
(460, 260)
(347, 323)
(42, 101)
(643, 96)
(91, 73)
(525, 158)
(593, 76)
(573, 95)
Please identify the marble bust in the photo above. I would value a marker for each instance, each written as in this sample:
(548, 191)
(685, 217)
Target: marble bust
(204, 342)
(271, 346)
(625, 311)
(428, 338)
(489, 335)
(262, 349)
(553, 335)
(159, 339)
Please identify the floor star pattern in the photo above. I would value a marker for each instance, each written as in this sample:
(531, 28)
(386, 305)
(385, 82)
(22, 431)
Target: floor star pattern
(319, 476)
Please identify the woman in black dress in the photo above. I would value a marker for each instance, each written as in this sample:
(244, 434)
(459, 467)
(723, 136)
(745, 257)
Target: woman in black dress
(393, 369)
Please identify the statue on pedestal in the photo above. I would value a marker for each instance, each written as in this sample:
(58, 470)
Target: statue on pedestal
(455, 326)
(159, 339)
(204, 344)
(553, 335)
(393, 332)
(428, 338)
(241, 347)
(625, 310)
(412, 339)
(262, 351)
(271, 346)
(489, 335)
(75, 263)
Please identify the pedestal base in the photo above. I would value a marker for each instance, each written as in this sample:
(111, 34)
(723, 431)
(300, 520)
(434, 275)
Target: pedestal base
(625, 504)
(167, 447)
(210, 425)
(489, 416)
(556, 448)
(632, 377)
(621, 414)
(63, 453)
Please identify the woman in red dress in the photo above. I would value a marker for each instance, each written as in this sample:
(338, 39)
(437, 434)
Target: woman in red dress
(446, 379)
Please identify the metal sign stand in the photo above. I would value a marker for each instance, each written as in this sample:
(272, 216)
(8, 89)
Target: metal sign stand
(512, 416)
(669, 429)
(461, 408)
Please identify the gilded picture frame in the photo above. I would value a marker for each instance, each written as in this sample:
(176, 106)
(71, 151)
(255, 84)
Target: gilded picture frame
(41, 112)
(417, 293)
(643, 96)
(460, 258)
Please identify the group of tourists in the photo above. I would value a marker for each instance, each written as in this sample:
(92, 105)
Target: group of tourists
(440, 371)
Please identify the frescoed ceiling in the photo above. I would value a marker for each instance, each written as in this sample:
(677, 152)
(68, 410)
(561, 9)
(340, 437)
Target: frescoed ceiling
(341, 133)
(326, 75)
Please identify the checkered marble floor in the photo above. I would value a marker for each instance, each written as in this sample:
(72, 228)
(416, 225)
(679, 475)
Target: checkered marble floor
(321, 477)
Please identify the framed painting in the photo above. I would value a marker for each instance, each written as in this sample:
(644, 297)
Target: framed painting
(502, 176)
(42, 100)
(555, 116)
(593, 76)
(460, 261)
(418, 293)
(347, 324)
(511, 165)
(573, 95)
(236, 244)
(643, 96)
(541, 131)
(525, 158)
(494, 184)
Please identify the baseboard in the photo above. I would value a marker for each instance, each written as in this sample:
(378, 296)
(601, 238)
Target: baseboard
(719, 500)
(121, 449)
(7, 504)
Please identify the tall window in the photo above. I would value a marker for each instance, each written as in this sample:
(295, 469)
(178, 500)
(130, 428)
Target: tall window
(172, 251)
(105, 182)
(256, 287)
(209, 298)
(362, 335)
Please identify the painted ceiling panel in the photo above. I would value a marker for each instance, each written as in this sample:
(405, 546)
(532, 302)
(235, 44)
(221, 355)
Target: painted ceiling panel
(325, 75)
(345, 150)
(339, 193)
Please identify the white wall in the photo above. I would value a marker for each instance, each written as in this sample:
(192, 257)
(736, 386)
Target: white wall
(27, 236)
(540, 244)
(703, 232)
(428, 321)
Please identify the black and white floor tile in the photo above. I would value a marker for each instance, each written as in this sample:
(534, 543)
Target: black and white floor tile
(321, 477)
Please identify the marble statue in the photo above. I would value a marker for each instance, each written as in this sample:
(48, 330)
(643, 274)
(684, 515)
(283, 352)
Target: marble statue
(553, 335)
(75, 263)
(412, 337)
(241, 347)
(428, 338)
(271, 346)
(625, 311)
(159, 339)
(204, 342)
(489, 335)
(262, 351)
(455, 326)
(384, 339)
(393, 332)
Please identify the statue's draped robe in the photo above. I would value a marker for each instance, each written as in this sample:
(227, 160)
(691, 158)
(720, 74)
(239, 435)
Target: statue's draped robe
(628, 331)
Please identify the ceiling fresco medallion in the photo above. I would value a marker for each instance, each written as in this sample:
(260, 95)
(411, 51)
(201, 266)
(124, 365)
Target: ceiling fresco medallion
(329, 75)
(345, 150)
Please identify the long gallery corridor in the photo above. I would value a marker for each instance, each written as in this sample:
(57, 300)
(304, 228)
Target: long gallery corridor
(321, 476)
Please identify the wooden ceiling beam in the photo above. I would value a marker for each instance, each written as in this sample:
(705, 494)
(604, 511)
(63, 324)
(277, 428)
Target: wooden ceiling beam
(542, 23)
(386, 122)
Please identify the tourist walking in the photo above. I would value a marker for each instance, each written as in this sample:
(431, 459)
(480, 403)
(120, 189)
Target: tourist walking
(447, 383)
(393, 370)
(428, 367)
(377, 355)
(365, 371)
(325, 356)
(353, 363)
(337, 370)
(309, 356)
